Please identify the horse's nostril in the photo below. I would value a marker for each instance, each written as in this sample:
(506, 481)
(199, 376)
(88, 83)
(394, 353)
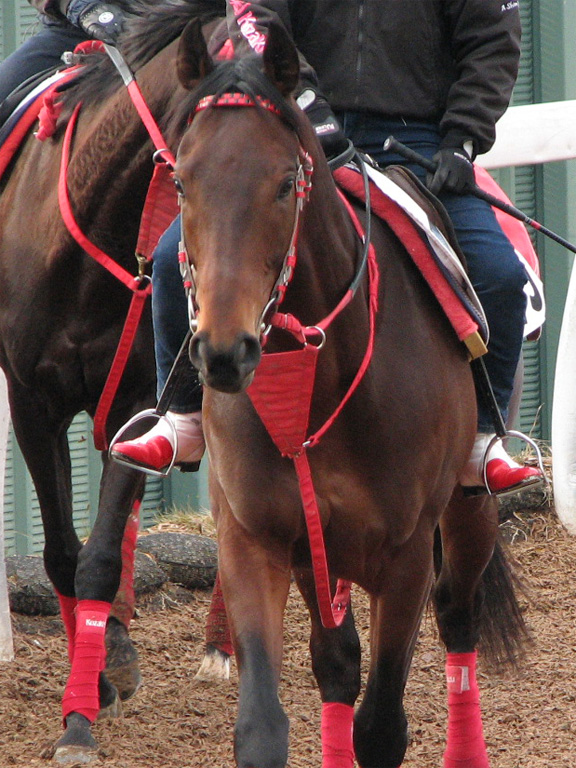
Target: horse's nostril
(197, 342)
(249, 351)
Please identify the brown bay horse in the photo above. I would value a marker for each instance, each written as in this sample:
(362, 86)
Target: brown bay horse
(383, 474)
(61, 319)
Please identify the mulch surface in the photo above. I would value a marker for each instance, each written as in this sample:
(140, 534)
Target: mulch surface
(175, 721)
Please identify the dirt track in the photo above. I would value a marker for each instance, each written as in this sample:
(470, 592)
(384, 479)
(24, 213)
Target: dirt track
(176, 722)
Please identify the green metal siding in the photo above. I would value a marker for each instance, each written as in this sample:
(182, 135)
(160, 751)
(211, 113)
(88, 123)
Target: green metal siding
(556, 55)
(22, 520)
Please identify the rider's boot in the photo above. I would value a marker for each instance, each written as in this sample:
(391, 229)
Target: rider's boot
(154, 450)
(503, 474)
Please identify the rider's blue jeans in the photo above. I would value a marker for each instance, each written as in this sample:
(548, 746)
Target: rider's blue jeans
(495, 271)
(170, 318)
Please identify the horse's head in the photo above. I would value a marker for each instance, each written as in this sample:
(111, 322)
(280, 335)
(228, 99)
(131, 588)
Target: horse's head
(238, 172)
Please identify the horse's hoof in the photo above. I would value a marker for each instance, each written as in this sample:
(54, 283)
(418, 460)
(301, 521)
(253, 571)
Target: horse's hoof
(122, 667)
(73, 756)
(110, 704)
(114, 709)
(215, 666)
(76, 746)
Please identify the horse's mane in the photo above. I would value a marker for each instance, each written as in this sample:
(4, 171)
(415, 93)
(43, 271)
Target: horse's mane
(149, 28)
(244, 76)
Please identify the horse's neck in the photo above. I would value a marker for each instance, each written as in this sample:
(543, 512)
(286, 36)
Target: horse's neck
(126, 163)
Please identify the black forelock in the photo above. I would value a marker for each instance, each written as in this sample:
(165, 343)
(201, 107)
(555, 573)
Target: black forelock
(243, 76)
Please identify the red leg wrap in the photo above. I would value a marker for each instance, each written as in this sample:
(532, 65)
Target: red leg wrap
(217, 630)
(337, 745)
(81, 694)
(465, 747)
(67, 609)
(124, 602)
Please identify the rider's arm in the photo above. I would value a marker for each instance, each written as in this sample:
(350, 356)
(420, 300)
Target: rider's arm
(98, 19)
(485, 37)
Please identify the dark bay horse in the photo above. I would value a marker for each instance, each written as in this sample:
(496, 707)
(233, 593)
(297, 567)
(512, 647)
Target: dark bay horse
(61, 319)
(384, 474)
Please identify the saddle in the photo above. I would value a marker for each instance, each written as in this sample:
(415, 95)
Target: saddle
(19, 94)
(21, 119)
(423, 226)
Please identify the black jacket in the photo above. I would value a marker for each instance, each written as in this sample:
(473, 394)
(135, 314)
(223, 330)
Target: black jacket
(450, 62)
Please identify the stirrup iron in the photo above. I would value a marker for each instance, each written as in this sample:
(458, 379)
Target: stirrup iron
(147, 414)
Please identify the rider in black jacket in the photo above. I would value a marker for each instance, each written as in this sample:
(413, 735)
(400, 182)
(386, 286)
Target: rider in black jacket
(437, 74)
(453, 63)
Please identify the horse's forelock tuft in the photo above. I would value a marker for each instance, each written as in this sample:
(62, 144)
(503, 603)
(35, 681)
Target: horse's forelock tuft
(245, 76)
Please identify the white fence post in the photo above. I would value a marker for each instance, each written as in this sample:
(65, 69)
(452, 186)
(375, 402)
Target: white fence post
(6, 644)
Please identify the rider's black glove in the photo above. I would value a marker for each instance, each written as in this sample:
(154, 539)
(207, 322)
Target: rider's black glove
(324, 122)
(454, 172)
(100, 21)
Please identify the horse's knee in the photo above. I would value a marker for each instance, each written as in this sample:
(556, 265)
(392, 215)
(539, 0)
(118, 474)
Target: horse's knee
(61, 570)
(97, 574)
(336, 662)
(458, 620)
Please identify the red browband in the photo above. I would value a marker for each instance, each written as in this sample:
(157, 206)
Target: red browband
(236, 100)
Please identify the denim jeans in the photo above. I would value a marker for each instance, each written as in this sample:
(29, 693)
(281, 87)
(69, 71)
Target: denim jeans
(40, 52)
(170, 319)
(495, 271)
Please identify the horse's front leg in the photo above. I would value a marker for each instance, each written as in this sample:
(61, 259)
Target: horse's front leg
(88, 692)
(474, 599)
(396, 609)
(255, 583)
(336, 665)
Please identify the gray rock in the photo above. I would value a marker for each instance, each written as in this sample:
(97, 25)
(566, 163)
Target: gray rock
(31, 593)
(29, 589)
(189, 559)
(182, 558)
(148, 574)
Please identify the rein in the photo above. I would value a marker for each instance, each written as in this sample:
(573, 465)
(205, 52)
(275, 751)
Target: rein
(282, 389)
(156, 205)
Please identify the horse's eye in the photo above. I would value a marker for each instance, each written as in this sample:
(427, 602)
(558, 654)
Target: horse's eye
(179, 186)
(285, 188)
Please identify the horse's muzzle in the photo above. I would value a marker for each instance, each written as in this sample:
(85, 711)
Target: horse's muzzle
(227, 369)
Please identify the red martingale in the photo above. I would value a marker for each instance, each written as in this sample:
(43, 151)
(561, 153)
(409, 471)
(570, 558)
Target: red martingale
(279, 378)
(159, 211)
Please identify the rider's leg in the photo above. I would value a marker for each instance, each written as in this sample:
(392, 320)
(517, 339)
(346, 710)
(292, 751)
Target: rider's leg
(496, 274)
(154, 449)
(498, 278)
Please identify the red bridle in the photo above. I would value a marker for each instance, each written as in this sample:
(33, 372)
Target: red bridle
(303, 185)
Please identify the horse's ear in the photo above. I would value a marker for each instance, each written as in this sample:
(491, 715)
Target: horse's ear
(193, 61)
(281, 62)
